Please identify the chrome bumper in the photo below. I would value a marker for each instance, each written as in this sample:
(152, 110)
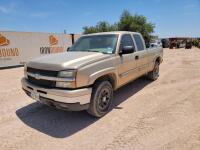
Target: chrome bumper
(81, 96)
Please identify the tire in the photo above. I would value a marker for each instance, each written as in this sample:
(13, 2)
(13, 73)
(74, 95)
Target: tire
(154, 74)
(101, 100)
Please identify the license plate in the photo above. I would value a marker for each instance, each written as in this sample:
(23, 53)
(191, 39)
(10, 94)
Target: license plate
(35, 96)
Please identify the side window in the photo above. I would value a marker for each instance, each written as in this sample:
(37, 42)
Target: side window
(126, 40)
(139, 42)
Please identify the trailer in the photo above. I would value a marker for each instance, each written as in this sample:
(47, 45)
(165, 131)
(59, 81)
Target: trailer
(178, 42)
(16, 48)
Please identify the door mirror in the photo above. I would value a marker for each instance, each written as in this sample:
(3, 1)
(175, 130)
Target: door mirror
(126, 50)
(68, 48)
(147, 45)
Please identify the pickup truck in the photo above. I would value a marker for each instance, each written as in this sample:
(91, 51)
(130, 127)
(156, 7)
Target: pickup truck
(85, 77)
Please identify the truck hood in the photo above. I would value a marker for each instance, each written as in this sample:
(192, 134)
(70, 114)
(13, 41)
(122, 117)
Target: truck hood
(66, 60)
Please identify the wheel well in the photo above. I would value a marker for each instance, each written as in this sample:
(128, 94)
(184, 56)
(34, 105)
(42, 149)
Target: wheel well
(109, 77)
(158, 59)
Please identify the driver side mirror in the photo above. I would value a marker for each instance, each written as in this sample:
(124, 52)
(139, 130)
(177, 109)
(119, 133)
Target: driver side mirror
(126, 50)
(68, 48)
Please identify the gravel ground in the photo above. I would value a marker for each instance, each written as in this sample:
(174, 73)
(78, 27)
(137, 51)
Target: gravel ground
(160, 115)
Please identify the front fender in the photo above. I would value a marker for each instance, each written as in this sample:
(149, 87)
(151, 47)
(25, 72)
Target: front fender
(100, 73)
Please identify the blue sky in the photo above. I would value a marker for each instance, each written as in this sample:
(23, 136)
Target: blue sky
(171, 17)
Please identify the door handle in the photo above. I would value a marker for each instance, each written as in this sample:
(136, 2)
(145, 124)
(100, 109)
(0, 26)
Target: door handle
(136, 57)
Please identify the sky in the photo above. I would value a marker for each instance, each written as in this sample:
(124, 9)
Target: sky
(171, 17)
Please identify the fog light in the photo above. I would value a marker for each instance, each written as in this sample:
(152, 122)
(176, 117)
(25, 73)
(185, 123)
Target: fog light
(62, 84)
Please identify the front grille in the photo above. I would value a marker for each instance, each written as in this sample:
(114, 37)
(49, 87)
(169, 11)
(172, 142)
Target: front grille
(41, 82)
(42, 72)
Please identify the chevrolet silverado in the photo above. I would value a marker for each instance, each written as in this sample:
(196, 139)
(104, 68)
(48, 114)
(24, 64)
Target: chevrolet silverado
(85, 77)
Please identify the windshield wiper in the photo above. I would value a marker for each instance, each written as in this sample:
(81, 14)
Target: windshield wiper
(87, 50)
(95, 51)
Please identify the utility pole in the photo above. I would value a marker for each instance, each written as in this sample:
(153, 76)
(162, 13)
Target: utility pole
(65, 31)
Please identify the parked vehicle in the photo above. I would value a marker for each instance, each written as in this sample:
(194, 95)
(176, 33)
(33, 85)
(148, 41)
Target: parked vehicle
(188, 45)
(173, 44)
(182, 45)
(165, 43)
(179, 42)
(85, 77)
(155, 44)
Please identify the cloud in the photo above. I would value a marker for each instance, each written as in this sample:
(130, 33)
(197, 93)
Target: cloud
(13, 8)
(87, 14)
(40, 14)
(7, 9)
(192, 8)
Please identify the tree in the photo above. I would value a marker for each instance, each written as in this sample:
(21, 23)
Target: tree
(136, 23)
(196, 43)
(101, 26)
(127, 22)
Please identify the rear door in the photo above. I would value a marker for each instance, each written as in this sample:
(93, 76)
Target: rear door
(141, 55)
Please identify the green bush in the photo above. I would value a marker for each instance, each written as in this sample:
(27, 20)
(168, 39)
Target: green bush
(196, 43)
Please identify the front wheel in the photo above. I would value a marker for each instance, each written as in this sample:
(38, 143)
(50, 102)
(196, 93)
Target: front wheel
(101, 100)
(154, 74)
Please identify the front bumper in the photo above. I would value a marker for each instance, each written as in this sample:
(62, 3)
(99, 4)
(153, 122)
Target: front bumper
(74, 100)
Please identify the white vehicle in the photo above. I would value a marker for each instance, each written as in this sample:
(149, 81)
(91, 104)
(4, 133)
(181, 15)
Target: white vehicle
(157, 43)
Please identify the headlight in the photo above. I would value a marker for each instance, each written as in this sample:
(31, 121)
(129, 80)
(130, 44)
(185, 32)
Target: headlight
(65, 84)
(68, 74)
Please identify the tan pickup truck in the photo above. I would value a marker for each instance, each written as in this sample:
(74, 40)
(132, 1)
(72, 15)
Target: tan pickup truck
(85, 77)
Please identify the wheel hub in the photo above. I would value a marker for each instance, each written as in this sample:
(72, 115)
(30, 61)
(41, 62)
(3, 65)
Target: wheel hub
(104, 99)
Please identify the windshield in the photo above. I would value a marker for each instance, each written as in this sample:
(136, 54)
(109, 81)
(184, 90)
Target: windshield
(96, 43)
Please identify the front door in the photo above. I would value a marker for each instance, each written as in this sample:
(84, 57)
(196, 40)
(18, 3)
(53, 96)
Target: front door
(126, 62)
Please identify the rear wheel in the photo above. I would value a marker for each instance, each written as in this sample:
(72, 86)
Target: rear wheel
(101, 100)
(154, 74)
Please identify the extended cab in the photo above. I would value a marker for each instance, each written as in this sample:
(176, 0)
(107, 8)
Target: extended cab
(84, 77)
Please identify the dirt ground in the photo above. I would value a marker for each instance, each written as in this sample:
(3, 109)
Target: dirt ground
(160, 115)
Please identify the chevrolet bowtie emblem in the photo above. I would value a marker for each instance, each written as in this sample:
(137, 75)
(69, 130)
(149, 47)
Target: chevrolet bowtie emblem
(37, 76)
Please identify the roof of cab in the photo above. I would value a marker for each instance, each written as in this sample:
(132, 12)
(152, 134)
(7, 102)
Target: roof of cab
(113, 32)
